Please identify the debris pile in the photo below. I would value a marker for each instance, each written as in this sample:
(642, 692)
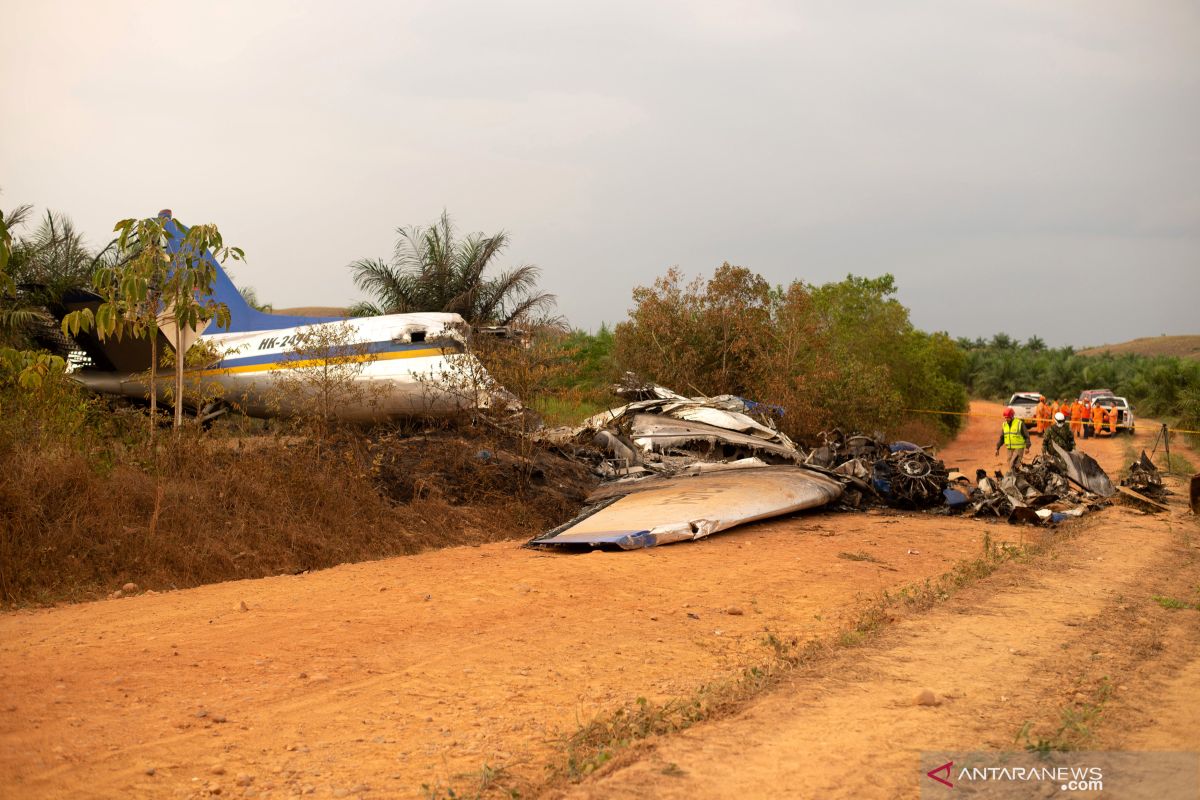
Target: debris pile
(900, 474)
(660, 431)
(1144, 478)
(678, 468)
(1143, 488)
(1032, 493)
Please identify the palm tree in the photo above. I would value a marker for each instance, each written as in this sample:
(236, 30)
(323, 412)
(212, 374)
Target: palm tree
(431, 270)
(42, 267)
(1002, 341)
(15, 314)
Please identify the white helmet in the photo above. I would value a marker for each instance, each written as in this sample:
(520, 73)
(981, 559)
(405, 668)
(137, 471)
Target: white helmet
(1060, 417)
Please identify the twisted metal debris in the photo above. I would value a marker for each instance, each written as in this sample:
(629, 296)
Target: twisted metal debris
(664, 442)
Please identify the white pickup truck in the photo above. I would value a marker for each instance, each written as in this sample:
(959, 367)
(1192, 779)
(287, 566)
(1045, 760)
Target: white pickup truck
(1025, 404)
(1124, 412)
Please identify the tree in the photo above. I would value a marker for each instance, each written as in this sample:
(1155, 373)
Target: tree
(13, 219)
(26, 368)
(1002, 341)
(250, 295)
(432, 270)
(12, 316)
(320, 375)
(841, 353)
(41, 267)
(55, 258)
(698, 337)
(163, 279)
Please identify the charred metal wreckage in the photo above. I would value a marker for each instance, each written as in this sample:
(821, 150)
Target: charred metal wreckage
(680, 468)
(1143, 487)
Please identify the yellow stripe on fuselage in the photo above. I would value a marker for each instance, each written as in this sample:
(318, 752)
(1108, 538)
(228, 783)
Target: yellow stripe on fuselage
(313, 362)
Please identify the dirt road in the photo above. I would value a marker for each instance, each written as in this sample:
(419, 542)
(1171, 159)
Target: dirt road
(1069, 648)
(380, 679)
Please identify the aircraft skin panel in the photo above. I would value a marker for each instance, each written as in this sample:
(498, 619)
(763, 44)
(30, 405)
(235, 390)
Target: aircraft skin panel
(692, 507)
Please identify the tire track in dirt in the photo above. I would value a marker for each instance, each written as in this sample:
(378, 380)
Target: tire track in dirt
(1036, 643)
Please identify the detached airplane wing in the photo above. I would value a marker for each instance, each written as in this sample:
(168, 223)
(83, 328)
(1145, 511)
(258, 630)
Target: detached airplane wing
(688, 507)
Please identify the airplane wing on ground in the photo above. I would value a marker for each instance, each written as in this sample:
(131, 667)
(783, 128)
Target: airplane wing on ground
(688, 507)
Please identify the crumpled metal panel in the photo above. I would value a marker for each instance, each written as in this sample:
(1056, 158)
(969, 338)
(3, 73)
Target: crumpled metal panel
(1085, 471)
(685, 508)
(699, 411)
(655, 432)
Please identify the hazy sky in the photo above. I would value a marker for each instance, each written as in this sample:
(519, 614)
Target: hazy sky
(1031, 167)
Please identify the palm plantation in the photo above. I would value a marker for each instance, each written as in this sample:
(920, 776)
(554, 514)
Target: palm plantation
(433, 269)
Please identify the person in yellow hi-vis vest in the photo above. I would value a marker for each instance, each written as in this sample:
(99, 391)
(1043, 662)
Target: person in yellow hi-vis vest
(1014, 438)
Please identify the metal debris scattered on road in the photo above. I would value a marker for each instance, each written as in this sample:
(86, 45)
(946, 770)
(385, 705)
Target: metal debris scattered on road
(679, 468)
(1145, 479)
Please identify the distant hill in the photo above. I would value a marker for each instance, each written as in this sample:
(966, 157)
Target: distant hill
(1179, 346)
(315, 311)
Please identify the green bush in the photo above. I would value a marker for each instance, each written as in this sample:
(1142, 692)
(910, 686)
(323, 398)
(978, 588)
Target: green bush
(843, 354)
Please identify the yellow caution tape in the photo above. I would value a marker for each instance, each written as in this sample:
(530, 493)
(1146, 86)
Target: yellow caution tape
(1081, 420)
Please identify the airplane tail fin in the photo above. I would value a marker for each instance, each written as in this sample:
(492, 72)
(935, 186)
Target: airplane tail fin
(242, 318)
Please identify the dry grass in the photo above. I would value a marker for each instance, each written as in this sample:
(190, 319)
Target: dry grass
(1177, 346)
(74, 526)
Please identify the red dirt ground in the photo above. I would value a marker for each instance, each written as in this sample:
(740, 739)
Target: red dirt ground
(375, 679)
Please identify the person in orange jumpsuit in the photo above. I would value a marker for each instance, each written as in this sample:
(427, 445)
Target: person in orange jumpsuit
(1097, 419)
(1044, 415)
(1076, 419)
(1112, 421)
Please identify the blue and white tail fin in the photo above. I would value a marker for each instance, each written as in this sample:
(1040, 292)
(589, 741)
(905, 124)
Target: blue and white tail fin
(242, 318)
